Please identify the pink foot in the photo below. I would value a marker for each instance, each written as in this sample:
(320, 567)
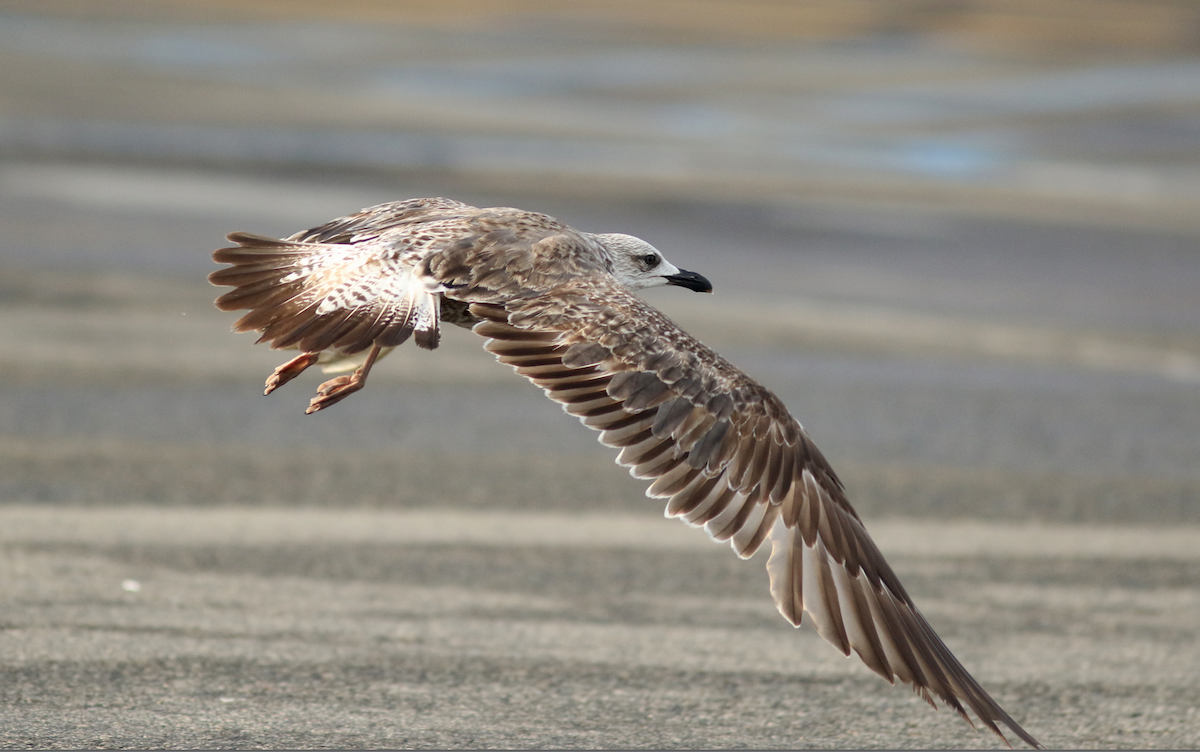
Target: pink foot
(334, 391)
(290, 370)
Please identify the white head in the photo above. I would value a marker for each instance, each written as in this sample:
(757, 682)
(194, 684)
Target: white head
(638, 265)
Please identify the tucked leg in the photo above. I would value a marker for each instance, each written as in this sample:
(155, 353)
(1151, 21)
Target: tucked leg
(336, 390)
(290, 370)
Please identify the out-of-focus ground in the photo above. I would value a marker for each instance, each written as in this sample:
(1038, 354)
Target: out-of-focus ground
(959, 240)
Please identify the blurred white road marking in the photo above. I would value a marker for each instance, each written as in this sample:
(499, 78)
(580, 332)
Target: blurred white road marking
(28, 523)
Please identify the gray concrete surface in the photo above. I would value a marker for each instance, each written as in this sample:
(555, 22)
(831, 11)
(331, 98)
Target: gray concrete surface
(1005, 373)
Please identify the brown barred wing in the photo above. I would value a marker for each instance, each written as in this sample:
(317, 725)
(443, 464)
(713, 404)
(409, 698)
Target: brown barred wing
(726, 455)
(316, 297)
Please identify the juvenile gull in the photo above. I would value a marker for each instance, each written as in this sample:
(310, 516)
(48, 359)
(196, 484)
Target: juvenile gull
(556, 305)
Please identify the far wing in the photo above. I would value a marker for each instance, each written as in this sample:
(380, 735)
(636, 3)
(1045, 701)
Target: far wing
(726, 455)
(375, 220)
(314, 296)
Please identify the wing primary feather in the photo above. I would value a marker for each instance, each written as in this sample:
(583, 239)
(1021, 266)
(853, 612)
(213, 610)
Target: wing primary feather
(785, 568)
(787, 474)
(773, 467)
(713, 506)
(750, 538)
(605, 415)
(856, 620)
(925, 651)
(897, 659)
(688, 498)
(625, 437)
(600, 404)
(820, 597)
(673, 481)
(890, 610)
(530, 360)
(587, 381)
(810, 509)
(577, 396)
(746, 528)
(643, 451)
(758, 466)
(721, 524)
(618, 421)
(654, 467)
(554, 372)
(521, 348)
(742, 459)
(743, 514)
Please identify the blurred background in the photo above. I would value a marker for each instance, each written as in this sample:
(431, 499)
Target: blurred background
(958, 238)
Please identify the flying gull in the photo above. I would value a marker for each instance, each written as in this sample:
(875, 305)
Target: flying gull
(558, 306)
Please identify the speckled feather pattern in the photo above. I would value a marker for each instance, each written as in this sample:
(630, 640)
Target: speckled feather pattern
(721, 449)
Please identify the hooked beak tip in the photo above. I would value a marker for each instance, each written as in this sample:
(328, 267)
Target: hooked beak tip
(690, 280)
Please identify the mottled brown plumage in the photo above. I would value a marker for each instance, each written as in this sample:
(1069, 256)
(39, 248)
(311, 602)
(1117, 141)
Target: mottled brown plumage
(555, 305)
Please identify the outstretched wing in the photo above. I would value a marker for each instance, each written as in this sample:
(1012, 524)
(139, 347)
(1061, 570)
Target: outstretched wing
(318, 296)
(726, 455)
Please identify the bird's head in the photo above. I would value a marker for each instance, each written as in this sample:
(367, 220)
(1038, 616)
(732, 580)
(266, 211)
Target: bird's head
(638, 265)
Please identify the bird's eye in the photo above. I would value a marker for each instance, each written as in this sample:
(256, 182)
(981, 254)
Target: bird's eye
(650, 260)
